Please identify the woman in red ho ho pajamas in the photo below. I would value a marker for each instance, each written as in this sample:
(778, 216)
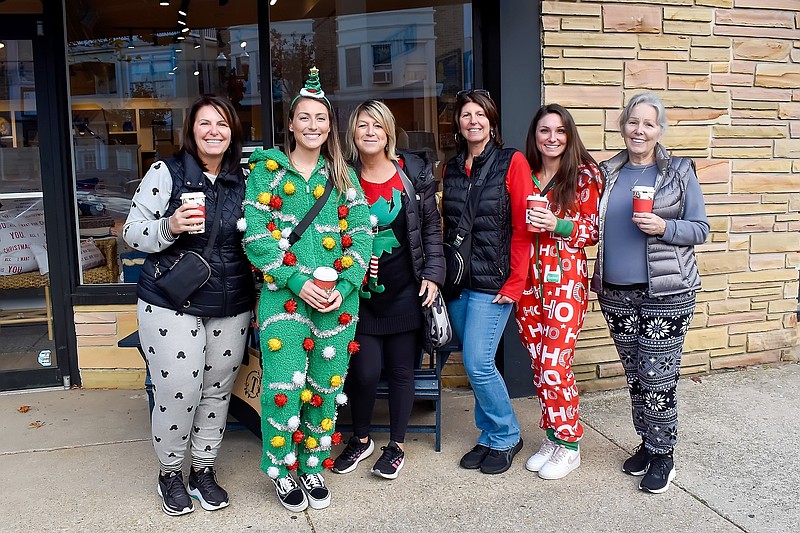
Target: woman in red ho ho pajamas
(553, 306)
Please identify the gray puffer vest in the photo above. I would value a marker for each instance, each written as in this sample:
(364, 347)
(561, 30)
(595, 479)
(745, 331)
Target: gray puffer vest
(672, 268)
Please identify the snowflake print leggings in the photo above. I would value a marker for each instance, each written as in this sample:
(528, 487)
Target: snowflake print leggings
(649, 334)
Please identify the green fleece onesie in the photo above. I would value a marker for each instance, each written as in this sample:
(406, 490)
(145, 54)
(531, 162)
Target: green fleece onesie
(305, 353)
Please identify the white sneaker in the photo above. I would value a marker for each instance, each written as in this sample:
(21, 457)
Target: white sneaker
(562, 462)
(536, 461)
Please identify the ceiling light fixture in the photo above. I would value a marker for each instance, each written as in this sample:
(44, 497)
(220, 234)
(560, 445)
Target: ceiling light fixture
(273, 2)
(164, 3)
(182, 22)
(181, 12)
(185, 30)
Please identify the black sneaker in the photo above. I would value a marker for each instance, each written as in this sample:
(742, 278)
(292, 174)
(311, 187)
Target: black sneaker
(203, 487)
(473, 458)
(173, 493)
(319, 497)
(355, 452)
(660, 472)
(637, 464)
(390, 462)
(290, 494)
(498, 461)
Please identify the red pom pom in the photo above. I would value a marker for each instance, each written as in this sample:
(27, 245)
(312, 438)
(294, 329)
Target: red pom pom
(338, 265)
(281, 399)
(327, 463)
(293, 466)
(347, 241)
(289, 259)
(345, 318)
(353, 347)
(336, 438)
(316, 400)
(271, 226)
(308, 344)
(275, 202)
(343, 211)
(298, 436)
(290, 306)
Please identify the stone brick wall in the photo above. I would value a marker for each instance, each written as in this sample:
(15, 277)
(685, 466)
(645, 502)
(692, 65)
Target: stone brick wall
(729, 73)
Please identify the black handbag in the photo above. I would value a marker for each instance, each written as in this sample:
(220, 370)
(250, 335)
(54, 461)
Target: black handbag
(438, 330)
(458, 252)
(190, 270)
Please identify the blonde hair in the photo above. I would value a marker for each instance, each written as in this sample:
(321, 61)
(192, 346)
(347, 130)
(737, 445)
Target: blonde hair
(331, 151)
(380, 113)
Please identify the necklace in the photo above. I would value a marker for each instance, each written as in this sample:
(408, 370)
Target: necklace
(298, 167)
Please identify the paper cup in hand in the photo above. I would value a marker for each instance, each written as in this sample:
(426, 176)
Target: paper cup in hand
(643, 199)
(198, 201)
(534, 201)
(325, 278)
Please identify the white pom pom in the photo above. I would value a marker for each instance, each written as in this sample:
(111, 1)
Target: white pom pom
(351, 194)
(241, 224)
(325, 441)
(273, 472)
(272, 287)
(283, 244)
(293, 423)
(312, 462)
(298, 378)
(341, 398)
(373, 220)
(290, 459)
(329, 353)
(285, 232)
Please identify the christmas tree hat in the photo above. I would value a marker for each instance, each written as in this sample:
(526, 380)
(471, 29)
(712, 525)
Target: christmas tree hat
(313, 89)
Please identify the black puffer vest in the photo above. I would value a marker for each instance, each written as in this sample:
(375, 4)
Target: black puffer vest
(490, 262)
(230, 290)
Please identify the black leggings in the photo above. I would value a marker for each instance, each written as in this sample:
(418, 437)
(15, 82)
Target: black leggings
(399, 351)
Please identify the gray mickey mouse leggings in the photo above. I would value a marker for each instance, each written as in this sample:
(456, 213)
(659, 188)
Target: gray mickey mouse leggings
(193, 363)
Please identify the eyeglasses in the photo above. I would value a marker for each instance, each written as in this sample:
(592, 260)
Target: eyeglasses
(467, 92)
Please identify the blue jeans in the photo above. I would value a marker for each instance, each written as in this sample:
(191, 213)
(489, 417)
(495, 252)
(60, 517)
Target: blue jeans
(479, 324)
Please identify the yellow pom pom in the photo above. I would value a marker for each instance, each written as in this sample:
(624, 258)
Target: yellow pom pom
(277, 441)
(305, 395)
(328, 243)
(274, 344)
(252, 166)
(311, 443)
(268, 278)
(343, 225)
(336, 381)
(347, 261)
(326, 424)
(272, 165)
(318, 190)
(276, 234)
(264, 198)
(289, 187)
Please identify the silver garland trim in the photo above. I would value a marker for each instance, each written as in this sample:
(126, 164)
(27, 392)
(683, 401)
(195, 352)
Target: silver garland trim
(280, 427)
(279, 174)
(257, 205)
(307, 322)
(327, 390)
(255, 237)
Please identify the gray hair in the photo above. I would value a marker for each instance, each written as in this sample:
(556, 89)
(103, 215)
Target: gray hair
(649, 99)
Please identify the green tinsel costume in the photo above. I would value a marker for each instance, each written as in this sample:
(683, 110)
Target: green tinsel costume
(305, 353)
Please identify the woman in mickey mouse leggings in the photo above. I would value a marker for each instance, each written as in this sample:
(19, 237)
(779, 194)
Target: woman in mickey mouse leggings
(193, 351)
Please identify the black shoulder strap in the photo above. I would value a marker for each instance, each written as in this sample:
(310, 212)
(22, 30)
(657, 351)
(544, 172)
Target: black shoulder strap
(298, 230)
(409, 187)
(473, 196)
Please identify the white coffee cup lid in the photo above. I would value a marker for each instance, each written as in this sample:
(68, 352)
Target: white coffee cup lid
(643, 188)
(324, 273)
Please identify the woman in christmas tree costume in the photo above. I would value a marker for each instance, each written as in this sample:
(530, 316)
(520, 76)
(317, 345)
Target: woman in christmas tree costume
(306, 332)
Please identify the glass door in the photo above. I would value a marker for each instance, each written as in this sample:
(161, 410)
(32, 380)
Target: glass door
(27, 347)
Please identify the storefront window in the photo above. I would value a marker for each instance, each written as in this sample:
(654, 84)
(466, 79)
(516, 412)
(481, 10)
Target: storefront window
(130, 90)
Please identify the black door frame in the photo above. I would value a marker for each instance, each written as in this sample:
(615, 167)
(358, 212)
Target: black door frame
(46, 33)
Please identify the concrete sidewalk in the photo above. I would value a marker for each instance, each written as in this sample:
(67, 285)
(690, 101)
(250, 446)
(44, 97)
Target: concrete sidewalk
(89, 466)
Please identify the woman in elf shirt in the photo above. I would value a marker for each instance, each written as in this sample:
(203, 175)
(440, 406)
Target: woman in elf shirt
(553, 306)
(406, 270)
(306, 331)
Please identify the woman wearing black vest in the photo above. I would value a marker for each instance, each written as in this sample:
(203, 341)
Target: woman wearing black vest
(193, 350)
(496, 268)
(405, 273)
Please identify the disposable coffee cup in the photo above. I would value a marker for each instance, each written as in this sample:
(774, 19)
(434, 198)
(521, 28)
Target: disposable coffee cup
(534, 201)
(198, 201)
(643, 199)
(325, 278)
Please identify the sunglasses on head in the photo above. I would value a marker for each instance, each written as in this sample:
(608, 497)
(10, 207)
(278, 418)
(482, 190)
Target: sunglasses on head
(467, 92)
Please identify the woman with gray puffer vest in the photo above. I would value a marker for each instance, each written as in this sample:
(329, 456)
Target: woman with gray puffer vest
(646, 277)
